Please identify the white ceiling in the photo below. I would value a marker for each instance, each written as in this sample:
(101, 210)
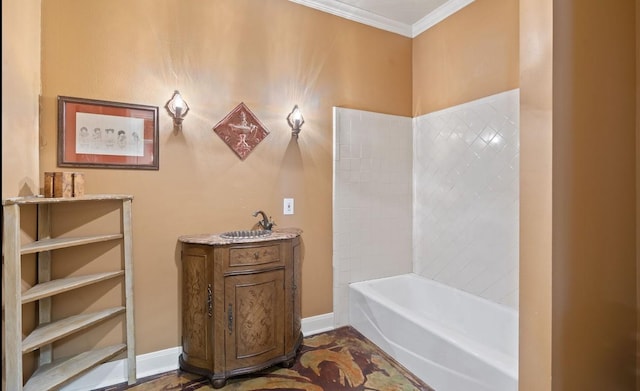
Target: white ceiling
(405, 17)
(403, 11)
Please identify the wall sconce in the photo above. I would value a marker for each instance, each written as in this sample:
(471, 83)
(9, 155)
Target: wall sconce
(295, 120)
(178, 109)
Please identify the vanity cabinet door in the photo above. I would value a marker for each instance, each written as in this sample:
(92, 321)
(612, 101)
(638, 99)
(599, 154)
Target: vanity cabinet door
(254, 309)
(197, 303)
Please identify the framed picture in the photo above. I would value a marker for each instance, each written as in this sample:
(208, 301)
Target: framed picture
(100, 134)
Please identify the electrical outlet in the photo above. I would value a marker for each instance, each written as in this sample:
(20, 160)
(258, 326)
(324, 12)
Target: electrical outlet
(288, 206)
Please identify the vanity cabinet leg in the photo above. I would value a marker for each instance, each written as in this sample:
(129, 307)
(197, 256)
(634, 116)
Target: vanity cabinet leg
(218, 383)
(288, 363)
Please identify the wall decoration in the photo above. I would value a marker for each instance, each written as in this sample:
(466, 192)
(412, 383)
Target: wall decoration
(241, 130)
(101, 134)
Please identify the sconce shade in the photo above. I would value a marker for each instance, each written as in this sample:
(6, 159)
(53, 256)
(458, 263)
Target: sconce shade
(177, 108)
(295, 120)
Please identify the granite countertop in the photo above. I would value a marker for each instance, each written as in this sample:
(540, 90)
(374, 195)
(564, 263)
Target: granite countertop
(218, 239)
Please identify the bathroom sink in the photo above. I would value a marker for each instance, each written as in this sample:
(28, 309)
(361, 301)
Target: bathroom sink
(247, 234)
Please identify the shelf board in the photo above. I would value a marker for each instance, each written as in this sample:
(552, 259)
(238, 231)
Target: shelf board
(53, 287)
(58, 200)
(53, 375)
(57, 243)
(53, 331)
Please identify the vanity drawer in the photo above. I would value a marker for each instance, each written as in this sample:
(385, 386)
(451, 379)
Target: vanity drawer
(255, 257)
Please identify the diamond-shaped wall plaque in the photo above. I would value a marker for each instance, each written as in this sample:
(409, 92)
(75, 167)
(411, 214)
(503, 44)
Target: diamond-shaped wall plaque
(241, 130)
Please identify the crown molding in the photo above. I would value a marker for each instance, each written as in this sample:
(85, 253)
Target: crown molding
(358, 15)
(369, 18)
(438, 15)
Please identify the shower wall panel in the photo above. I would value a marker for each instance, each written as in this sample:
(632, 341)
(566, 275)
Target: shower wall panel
(466, 174)
(372, 205)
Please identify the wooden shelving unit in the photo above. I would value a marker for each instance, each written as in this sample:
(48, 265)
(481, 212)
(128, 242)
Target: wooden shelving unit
(50, 373)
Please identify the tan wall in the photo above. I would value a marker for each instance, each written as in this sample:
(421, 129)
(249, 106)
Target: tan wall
(20, 92)
(637, 196)
(268, 54)
(536, 222)
(470, 55)
(578, 196)
(20, 101)
(594, 284)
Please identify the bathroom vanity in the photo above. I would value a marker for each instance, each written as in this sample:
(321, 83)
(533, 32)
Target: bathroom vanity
(240, 302)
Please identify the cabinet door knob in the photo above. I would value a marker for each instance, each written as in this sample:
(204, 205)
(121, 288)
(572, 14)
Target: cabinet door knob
(256, 255)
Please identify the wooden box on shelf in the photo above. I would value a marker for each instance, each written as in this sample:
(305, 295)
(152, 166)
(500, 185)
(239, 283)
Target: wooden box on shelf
(78, 184)
(63, 184)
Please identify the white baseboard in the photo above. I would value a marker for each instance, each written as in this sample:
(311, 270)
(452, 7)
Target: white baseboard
(154, 363)
(115, 372)
(317, 324)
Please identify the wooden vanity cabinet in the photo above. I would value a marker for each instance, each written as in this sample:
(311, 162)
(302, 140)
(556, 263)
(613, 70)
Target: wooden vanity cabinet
(240, 307)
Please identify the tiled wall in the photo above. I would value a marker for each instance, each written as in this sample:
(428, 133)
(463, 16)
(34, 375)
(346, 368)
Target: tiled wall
(372, 208)
(465, 222)
(441, 202)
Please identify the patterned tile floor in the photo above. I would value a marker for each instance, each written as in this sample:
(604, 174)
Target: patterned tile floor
(338, 360)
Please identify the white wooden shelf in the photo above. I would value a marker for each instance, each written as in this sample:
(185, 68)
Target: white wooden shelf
(58, 372)
(52, 374)
(51, 288)
(60, 200)
(50, 332)
(58, 243)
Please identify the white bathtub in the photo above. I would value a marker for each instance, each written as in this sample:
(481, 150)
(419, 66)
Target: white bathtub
(452, 340)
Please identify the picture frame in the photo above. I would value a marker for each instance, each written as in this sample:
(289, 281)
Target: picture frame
(102, 134)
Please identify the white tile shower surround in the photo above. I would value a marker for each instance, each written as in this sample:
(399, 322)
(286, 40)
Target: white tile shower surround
(372, 207)
(465, 220)
(436, 195)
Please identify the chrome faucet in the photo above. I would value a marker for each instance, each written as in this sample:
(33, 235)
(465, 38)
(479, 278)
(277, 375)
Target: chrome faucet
(266, 223)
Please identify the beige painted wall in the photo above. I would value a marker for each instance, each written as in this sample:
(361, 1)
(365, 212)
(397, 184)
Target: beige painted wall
(20, 103)
(637, 197)
(470, 55)
(20, 92)
(536, 220)
(594, 284)
(268, 54)
(578, 262)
